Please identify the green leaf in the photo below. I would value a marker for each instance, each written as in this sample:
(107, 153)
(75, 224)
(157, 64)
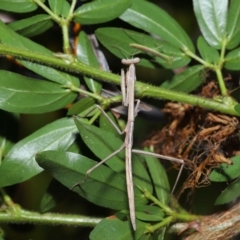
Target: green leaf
(115, 40)
(32, 26)
(21, 6)
(148, 17)
(81, 106)
(86, 55)
(159, 178)
(233, 23)
(105, 124)
(19, 164)
(100, 11)
(113, 228)
(27, 95)
(103, 186)
(230, 193)
(140, 174)
(212, 20)
(225, 172)
(56, 6)
(8, 136)
(187, 80)
(207, 53)
(162, 234)
(149, 213)
(146, 236)
(109, 229)
(237, 108)
(54, 195)
(65, 9)
(11, 38)
(232, 60)
(103, 143)
(52, 74)
(76, 146)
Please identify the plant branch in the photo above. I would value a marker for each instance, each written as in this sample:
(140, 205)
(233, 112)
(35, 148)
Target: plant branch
(165, 222)
(221, 226)
(47, 10)
(142, 89)
(66, 47)
(24, 216)
(13, 213)
(221, 82)
(74, 2)
(7, 200)
(182, 216)
(200, 60)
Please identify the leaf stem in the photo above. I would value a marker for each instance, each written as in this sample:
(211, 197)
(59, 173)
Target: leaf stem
(64, 23)
(8, 201)
(166, 221)
(66, 46)
(221, 82)
(215, 68)
(164, 207)
(82, 91)
(47, 10)
(72, 8)
(94, 117)
(200, 60)
(182, 216)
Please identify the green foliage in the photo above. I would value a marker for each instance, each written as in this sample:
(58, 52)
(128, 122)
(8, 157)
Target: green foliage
(86, 54)
(27, 95)
(159, 177)
(226, 173)
(122, 230)
(8, 132)
(207, 53)
(100, 11)
(32, 26)
(146, 16)
(81, 106)
(68, 147)
(70, 168)
(186, 81)
(111, 38)
(53, 196)
(233, 60)
(19, 164)
(57, 6)
(232, 25)
(212, 19)
(230, 193)
(22, 6)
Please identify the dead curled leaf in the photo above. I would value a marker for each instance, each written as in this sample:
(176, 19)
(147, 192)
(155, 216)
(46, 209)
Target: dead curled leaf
(202, 138)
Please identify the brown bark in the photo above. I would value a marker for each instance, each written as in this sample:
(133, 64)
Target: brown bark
(219, 226)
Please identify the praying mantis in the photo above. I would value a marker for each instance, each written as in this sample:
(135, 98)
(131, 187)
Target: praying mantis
(128, 100)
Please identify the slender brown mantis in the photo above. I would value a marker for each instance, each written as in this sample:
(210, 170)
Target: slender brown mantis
(128, 99)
